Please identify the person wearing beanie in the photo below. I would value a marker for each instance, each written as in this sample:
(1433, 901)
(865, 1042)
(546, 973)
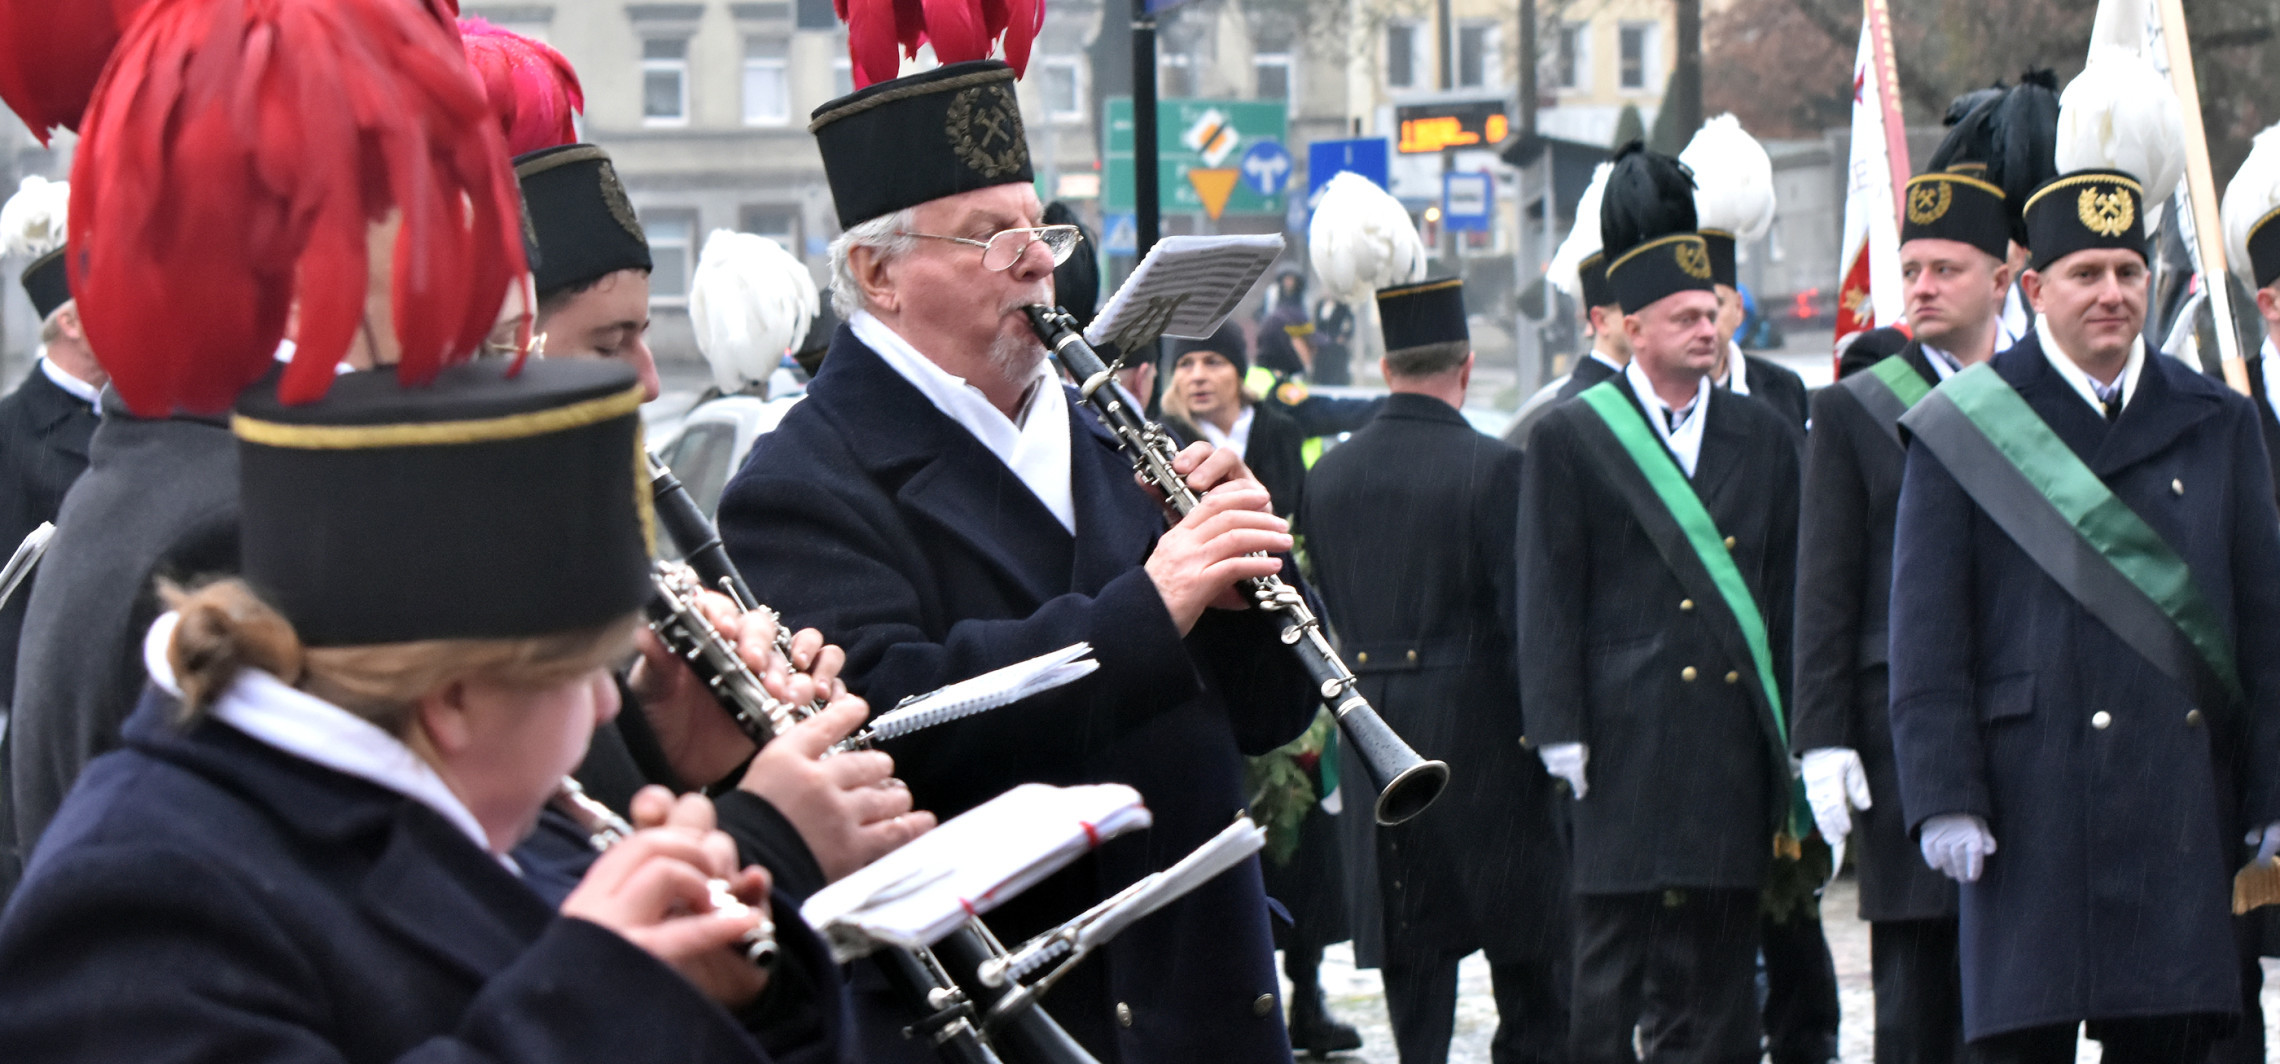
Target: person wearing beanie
(1657, 532)
(940, 505)
(1410, 529)
(1209, 400)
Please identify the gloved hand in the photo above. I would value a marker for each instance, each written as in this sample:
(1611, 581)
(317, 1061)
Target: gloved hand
(1956, 845)
(2267, 842)
(1836, 783)
(1566, 761)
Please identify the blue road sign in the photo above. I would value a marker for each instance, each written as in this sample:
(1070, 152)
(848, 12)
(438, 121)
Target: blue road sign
(1467, 199)
(1266, 166)
(1120, 233)
(1324, 158)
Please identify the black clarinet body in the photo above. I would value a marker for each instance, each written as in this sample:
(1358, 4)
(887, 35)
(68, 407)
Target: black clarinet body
(1406, 783)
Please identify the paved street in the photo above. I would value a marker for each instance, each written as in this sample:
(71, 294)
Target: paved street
(1358, 998)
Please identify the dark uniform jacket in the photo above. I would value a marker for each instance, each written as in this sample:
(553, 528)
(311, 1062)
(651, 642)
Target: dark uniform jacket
(872, 516)
(2118, 806)
(1686, 785)
(204, 896)
(1587, 372)
(1844, 598)
(1410, 526)
(1274, 454)
(2264, 416)
(43, 448)
(1777, 386)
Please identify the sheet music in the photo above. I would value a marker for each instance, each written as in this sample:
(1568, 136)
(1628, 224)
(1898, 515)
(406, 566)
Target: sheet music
(1186, 287)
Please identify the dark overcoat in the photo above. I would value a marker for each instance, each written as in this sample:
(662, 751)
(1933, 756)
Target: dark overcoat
(872, 516)
(43, 448)
(1410, 528)
(2109, 893)
(1779, 387)
(1687, 781)
(1275, 453)
(203, 896)
(159, 498)
(1587, 372)
(1844, 600)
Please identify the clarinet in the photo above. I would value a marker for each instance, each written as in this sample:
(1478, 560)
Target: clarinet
(949, 1020)
(1406, 782)
(604, 829)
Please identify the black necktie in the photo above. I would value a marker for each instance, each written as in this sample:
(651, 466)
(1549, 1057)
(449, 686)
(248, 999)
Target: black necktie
(2109, 397)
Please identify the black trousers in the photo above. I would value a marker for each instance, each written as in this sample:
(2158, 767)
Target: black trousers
(2150, 1040)
(1697, 949)
(1919, 991)
(2246, 1044)
(1801, 1010)
(1531, 1008)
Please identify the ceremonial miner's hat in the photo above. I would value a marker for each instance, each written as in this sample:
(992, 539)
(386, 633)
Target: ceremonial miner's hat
(1647, 222)
(1970, 139)
(492, 504)
(1733, 190)
(904, 142)
(577, 215)
(1425, 314)
(1955, 205)
(32, 223)
(2252, 212)
(2085, 210)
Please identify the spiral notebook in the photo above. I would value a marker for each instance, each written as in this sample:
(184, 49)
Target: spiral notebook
(988, 691)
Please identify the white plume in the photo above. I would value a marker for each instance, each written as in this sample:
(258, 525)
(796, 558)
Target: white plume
(1362, 240)
(1583, 240)
(1733, 179)
(2121, 113)
(749, 301)
(33, 221)
(2253, 193)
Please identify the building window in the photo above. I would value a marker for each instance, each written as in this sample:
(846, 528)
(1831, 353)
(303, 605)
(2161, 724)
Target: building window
(665, 81)
(1175, 76)
(1061, 86)
(672, 249)
(1478, 57)
(767, 94)
(1640, 56)
(1401, 55)
(777, 221)
(1272, 72)
(842, 72)
(814, 15)
(1570, 66)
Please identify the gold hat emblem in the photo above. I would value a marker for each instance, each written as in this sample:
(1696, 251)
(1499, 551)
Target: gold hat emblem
(1928, 202)
(984, 126)
(1693, 259)
(620, 207)
(2107, 213)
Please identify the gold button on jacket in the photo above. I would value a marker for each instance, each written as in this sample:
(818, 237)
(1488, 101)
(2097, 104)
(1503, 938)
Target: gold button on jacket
(1688, 674)
(1264, 1005)
(2101, 720)
(1123, 1014)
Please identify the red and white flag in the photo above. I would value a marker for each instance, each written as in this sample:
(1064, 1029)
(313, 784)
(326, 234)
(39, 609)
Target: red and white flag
(1869, 294)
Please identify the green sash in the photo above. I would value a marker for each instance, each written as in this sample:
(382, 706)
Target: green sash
(2088, 541)
(1889, 389)
(1671, 488)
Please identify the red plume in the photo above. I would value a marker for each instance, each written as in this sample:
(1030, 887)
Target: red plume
(532, 88)
(52, 52)
(959, 30)
(233, 162)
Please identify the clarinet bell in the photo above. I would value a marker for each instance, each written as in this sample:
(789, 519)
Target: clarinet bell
(1406, 783)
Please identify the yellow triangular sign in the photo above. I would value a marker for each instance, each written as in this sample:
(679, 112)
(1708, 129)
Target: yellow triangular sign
(1214, 186)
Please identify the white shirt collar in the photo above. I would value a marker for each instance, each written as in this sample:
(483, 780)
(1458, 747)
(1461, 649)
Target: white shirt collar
(2268, 362)
(1606, 361)
(314, 730)
(1685, 440)
(1737, 369)
(1943, 363)
(2083, 385)
(1036, 448)
(2015, 322)
(76, 388)
(1237, 439)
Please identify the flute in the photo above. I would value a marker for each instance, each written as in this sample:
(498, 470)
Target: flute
(1406, 782)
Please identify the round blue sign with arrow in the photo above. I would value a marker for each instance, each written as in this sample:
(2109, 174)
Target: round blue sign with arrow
(1266, 166)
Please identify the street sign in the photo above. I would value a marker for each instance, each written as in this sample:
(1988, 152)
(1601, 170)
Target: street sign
(1213, 185)
(1266, 167)
(1194, 135)
(1325, 158)
(1120, 233)
(1447, 124)
(1467, 200)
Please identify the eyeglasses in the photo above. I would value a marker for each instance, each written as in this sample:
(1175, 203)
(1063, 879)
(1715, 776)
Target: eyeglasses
(1006, 246)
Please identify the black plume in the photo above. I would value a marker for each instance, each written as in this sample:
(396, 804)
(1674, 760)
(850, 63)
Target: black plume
(1076, 283)
(2025, 148)
(1971, 135)
(1649, 195)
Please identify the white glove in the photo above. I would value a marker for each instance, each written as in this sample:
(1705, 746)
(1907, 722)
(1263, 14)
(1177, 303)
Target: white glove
(1836, 783)
(1566, 760)
(2267, 842)
(1956, 845)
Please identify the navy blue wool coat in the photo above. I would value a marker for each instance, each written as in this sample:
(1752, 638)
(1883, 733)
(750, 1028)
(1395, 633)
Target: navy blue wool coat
(872, 516)
(2109, 894)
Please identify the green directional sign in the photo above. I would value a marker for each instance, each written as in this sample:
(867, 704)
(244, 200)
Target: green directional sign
(1212, 136)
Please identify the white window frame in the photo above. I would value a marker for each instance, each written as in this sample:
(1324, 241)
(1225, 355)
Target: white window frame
(652, 221)
(1182, 62)
(1575, 37)
(1491, 54)
(842, 72)
(1075, 69)
(756, 63)
(1260, 61)
(1416, 33)
(679, 68)
(1650, 57)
